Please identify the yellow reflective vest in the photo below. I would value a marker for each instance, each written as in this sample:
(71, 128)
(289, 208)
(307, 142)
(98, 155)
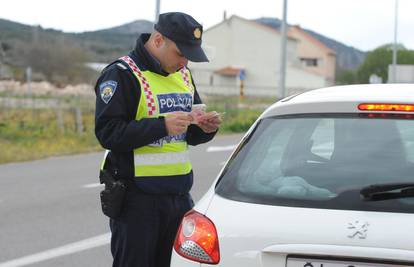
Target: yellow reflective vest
(161, 95)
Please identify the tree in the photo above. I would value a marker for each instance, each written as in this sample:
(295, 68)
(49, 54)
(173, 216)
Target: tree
(60, 61)
(346, 77)
(377, 61)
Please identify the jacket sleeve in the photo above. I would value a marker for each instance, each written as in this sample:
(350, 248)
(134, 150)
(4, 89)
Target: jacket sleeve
(195, 135)
(117, 99)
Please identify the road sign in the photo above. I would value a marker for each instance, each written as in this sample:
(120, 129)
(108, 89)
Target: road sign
(242, 75)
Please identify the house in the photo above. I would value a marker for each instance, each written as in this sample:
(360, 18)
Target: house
(314, 56)
(246, 52)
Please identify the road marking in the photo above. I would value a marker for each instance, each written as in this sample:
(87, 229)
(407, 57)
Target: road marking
(220, 148)
(92, 185)
(85, 244)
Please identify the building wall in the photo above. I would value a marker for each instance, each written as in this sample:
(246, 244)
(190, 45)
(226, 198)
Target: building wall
(240, 43)
(302, 80)
(310, 48)
(224, 85)
(404, 73)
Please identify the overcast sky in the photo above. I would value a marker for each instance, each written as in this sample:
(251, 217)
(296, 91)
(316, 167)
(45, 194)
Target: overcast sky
(364, 24)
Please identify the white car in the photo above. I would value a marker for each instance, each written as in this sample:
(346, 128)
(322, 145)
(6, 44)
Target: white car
(322, 179)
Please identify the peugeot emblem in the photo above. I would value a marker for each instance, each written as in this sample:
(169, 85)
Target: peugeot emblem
(359, 229)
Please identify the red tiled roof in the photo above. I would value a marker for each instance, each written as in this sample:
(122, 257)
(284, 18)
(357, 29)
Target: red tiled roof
(228, 71)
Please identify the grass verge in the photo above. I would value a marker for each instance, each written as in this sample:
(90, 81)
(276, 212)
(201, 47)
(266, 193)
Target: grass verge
(28, 134)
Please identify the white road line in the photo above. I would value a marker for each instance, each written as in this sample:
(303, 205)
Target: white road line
(220, 148)
(92, 185)
(85, 244)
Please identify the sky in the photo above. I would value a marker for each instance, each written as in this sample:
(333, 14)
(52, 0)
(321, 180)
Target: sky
(364, 24)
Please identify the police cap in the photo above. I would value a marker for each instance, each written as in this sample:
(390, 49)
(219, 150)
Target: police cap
(186, 33)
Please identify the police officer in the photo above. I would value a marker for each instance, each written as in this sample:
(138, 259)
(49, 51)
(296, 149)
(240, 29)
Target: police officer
(142, 119)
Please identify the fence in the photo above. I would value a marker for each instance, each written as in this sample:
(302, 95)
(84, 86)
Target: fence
(58, 115)
(43, 106)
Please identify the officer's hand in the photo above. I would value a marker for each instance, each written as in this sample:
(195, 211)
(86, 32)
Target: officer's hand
(210, 122)
(177, 122)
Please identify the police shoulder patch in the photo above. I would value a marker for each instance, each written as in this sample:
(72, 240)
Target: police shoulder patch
(107, 90)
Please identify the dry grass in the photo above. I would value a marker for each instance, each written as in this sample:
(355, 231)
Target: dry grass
(27, 134)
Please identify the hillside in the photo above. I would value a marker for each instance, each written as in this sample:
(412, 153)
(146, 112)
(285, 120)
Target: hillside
(59, 57)
(107, 44)
(102, 45)
(347, 57)
(46, 49)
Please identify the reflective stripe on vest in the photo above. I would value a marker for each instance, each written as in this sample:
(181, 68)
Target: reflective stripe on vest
(163, 164)
(169, 155)
(104, 159)
(186, 79)
(161, 158)
(149, 98)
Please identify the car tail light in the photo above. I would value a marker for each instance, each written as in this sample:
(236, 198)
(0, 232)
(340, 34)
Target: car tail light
(386, 107)
(197, 239)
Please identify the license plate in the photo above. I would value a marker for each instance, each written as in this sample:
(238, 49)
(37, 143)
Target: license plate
(304, 262)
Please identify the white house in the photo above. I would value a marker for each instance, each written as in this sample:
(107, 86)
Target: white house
(240, 49)
(404, 74)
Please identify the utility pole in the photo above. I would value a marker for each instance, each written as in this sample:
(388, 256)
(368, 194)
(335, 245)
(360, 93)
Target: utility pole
(282, 71)
(394, 48)
(157, 10)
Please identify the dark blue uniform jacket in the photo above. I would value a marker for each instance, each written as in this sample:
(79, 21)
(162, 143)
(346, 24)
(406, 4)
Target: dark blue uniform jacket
(118, 131)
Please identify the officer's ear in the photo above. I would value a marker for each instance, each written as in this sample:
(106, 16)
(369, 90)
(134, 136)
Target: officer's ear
(158, 39)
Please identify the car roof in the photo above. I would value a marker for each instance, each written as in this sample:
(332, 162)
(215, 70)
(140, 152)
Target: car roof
(343, 99)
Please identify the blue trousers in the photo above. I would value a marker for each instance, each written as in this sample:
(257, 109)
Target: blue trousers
(144, 234)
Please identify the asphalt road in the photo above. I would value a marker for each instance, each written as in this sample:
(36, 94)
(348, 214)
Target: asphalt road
(50, 212)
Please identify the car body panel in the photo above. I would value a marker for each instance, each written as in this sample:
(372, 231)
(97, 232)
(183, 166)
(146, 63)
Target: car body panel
(256, 232)
(177, 260)
(266, 235)
(342, 99)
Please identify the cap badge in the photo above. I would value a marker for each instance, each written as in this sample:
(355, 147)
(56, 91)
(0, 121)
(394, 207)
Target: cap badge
(197, 33)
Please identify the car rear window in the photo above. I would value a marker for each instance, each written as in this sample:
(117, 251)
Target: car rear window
(322, 161)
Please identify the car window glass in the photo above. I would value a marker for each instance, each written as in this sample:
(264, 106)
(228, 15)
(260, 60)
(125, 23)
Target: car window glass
(407, 134)
(268, 165)
(321, 161)
(323, 139)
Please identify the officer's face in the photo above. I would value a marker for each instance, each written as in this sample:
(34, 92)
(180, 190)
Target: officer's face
(171, 58)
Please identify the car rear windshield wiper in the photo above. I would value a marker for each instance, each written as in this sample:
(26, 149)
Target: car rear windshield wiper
(387, 191)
